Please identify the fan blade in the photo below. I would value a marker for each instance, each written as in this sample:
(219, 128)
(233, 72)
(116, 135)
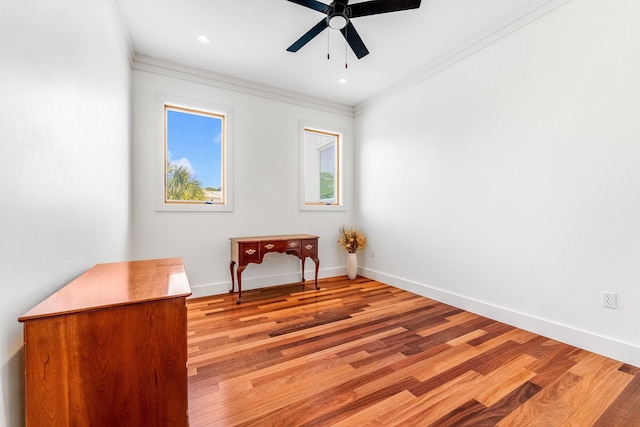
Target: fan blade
(312, 4)
(306, 38)
(375, 7)
(353, 38)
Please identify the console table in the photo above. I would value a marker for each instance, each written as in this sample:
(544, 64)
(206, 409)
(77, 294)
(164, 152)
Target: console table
(246, 250)
(110, 348)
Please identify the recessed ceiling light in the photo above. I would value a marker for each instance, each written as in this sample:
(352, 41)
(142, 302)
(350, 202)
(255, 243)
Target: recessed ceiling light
(342, 81)
(204, 39)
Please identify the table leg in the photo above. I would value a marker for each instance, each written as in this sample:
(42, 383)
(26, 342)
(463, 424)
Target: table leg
(302, 260)
(317, 261)
(233, 285)
(239, 273)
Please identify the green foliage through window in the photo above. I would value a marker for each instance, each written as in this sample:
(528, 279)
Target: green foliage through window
(327, 186)
(182, 186)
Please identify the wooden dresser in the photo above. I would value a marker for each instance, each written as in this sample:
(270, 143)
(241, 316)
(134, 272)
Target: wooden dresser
(110, 348)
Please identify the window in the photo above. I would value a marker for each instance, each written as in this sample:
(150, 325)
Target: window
(321, 180)
(195, 160)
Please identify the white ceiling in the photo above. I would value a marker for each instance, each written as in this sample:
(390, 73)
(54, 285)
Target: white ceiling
(249, 39)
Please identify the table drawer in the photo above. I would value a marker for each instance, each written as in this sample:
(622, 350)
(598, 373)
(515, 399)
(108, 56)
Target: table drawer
(309, 247)
(293, 245)
(275, 246)
(249, 251)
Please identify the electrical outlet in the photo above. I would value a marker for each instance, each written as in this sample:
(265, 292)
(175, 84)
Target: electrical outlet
(373, 253)
(609, 299)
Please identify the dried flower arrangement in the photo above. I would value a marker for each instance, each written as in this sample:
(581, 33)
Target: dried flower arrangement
(352, 239)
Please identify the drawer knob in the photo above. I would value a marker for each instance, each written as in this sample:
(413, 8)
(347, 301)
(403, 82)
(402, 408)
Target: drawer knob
(308, 247)
(293, 244)
(250, 251)
(269, 246)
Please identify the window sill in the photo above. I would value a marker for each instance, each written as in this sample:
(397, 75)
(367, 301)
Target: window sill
(188, 207)
(319, 207)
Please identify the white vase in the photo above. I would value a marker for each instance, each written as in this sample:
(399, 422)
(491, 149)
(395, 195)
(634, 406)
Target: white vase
(352, 266)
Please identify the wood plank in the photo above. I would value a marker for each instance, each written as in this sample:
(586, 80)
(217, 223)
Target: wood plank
(364, 353)
(625, 409)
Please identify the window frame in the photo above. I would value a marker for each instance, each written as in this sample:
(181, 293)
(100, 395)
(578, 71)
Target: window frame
(204, 108)
(339, 204)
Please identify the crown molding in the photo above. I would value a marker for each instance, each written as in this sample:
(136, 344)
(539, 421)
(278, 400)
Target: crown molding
(221, 81)
(476, 44)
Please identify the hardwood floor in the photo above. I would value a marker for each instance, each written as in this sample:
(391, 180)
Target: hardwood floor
(359, 352)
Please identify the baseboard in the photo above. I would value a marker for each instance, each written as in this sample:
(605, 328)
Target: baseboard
(262, 281)
(618, 350)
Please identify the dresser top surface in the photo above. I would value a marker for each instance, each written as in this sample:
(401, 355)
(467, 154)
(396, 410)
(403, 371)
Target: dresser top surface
(115, 284)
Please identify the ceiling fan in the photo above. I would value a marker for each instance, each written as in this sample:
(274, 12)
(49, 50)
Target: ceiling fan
(339, 14)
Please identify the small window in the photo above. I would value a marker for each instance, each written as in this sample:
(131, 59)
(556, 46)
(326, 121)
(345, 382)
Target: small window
(321, 180)
(194, 166)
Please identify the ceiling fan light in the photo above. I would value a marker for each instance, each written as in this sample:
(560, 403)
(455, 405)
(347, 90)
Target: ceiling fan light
(337, 22)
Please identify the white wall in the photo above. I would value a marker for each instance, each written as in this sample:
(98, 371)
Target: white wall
(513, 175)
(266, 141)
(510, 180)
(64, 145)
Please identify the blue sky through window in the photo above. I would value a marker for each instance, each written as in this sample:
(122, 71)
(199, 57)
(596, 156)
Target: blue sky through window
(195, 142)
